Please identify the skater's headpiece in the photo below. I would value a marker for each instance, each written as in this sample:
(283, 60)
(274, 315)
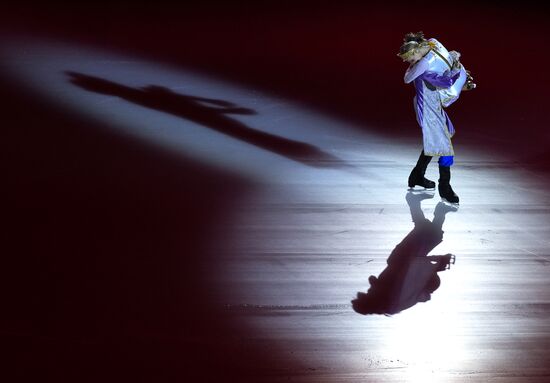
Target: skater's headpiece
(412, 43)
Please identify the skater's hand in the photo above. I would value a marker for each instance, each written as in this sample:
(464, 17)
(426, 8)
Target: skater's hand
(455, 55)
(470, 84)
(456, 60)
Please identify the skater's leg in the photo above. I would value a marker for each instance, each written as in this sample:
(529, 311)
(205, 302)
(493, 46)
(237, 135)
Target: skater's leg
(444, 187)
(446, 160)
(416, 178)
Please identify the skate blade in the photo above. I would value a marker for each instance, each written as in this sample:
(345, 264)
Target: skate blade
(420, 189)
(456, 205)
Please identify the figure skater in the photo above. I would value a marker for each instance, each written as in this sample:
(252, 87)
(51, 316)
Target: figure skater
(439, 78)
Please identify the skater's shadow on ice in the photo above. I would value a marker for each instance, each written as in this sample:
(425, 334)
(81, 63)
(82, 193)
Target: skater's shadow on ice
(211, 113)
(411, 275)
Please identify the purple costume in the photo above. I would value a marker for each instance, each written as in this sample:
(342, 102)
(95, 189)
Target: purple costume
(438, 84)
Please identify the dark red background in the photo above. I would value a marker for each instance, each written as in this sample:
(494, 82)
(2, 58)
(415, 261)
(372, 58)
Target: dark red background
(97, 225)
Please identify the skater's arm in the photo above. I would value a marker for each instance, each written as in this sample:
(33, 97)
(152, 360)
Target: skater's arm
(444, 80)
(415, 70)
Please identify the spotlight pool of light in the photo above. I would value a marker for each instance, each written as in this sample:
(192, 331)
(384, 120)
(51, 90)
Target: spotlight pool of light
(310, 167)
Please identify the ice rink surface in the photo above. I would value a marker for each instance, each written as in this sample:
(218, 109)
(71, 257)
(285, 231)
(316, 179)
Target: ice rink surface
(248, 259)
